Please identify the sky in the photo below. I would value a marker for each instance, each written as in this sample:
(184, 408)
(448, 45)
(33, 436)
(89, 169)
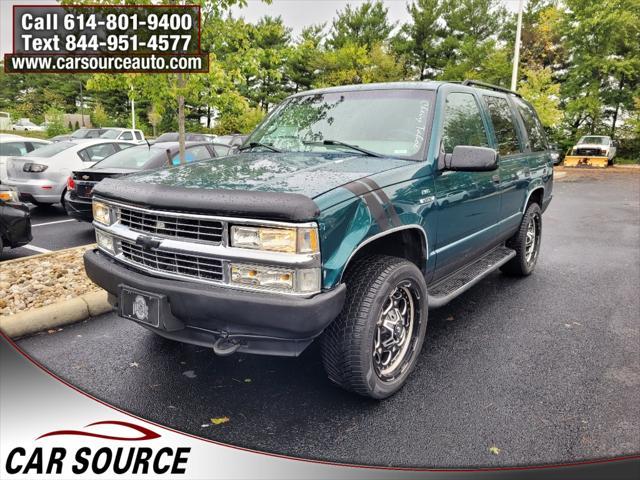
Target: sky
(295, 13)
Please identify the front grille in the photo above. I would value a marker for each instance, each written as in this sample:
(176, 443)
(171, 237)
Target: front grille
(84, 189)
(589, 152)
(188, 265)
(172, 226)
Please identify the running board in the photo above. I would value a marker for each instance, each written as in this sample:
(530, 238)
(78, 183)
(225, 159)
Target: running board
(460, 281)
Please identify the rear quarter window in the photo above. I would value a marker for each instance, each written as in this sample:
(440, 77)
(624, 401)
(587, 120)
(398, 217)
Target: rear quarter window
(504, 126)
(535, 132)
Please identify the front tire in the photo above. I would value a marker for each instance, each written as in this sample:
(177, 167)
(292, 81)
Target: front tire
(373, 345)
(526, 243)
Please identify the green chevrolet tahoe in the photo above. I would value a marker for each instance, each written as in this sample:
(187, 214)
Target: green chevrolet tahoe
(348, 213)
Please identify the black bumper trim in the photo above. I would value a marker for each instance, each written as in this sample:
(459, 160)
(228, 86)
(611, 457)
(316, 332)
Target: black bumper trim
(79, 209)
(200, 314)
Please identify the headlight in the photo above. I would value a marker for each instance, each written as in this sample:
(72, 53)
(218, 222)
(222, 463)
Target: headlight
(276, 278)
(9, 196)
(34, 167)
(102, 213)
(105, 241)
(286, 240)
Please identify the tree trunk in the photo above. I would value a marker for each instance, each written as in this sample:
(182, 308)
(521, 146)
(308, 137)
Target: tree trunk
(615, 114)
(181, 133)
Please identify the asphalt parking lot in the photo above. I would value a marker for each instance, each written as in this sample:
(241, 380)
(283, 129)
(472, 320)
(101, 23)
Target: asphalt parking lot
(52, 229)
(546, 369)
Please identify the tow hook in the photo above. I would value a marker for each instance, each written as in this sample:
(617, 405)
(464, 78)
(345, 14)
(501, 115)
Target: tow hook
(225, 347)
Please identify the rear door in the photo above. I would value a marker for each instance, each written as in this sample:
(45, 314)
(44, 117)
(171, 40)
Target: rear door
(514, 168)
(468, 202)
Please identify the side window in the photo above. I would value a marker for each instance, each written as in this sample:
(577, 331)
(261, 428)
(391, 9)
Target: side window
(138, 135)
(126, 136)
(13, 149)
(123, 146)
(503, 125)
(31, 146)
(462, 123)
(221, 150)
(537, 137)
(193, 154)
(97, 152)
(93, 134)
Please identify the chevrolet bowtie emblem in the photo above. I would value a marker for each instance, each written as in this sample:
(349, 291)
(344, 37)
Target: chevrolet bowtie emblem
(147, 243)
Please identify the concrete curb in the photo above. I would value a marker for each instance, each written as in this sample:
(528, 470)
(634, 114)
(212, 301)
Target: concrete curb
(55, 315)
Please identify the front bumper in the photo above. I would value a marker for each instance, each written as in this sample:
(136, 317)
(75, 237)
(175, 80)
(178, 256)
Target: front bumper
(79, 209)
(15, 223)
(260, 323)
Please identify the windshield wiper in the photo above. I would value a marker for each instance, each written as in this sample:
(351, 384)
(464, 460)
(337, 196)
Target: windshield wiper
(258, 144)
(338, 143)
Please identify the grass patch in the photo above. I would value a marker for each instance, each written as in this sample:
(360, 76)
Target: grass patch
(42, 135)
(627, 161)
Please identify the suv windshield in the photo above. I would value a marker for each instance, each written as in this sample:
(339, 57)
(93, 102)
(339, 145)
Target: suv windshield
(386, 122)
(111, 134)
(134, 158)
(50, 150)
(594, 140)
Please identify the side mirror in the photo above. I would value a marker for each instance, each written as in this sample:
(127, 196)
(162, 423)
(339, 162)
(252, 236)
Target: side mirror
(471, 159)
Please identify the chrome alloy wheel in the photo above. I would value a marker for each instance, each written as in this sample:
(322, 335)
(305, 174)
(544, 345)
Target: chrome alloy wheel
(532, 240)
(396, 332)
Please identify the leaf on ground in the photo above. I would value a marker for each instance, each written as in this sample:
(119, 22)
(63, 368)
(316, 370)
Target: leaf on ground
(450, 318)
(189, 374)
(494, 450)
(247, 380)
(219, 420)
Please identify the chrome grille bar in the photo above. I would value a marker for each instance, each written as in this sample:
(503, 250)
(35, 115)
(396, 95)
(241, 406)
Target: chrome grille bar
(172, 226)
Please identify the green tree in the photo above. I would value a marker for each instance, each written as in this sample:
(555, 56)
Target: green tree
(99, 117)
(366, 25)
(418, 41)
(603, 78)
(544, 94)
(55, 122)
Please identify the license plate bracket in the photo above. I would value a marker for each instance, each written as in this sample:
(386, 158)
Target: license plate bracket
(140, 306)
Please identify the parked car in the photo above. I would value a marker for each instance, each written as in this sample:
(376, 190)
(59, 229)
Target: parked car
(26, 125)
(41, 176)
(234, 140)
(141, 157)
(331, 224)
(80, 134)
(15, 220)
(126, 134)
(592, 151)
(15, 146)
(189, 137)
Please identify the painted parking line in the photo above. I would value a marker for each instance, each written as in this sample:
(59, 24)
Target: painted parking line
(36, 249)
(52, 223)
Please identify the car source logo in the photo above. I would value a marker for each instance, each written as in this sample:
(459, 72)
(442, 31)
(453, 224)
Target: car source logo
(140, 308)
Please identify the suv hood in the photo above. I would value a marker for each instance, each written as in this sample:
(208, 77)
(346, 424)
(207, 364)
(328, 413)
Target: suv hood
(309, 174)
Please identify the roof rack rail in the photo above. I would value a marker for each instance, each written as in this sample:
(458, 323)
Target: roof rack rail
(490, 87)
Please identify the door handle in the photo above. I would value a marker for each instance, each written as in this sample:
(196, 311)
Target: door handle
(496, 178)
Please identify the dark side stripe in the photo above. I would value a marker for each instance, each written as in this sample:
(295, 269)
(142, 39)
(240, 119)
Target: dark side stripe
(395, 219)
(373, 204)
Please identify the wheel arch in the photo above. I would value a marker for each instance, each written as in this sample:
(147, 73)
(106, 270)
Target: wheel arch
(397, 241)
(536, 194)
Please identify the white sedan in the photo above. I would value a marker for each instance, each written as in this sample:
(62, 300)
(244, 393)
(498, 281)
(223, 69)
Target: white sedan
(15, 146)
(41, 176)
(26, 125)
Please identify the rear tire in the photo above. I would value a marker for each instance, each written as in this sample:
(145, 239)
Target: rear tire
(526, 243)
(373, 345)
